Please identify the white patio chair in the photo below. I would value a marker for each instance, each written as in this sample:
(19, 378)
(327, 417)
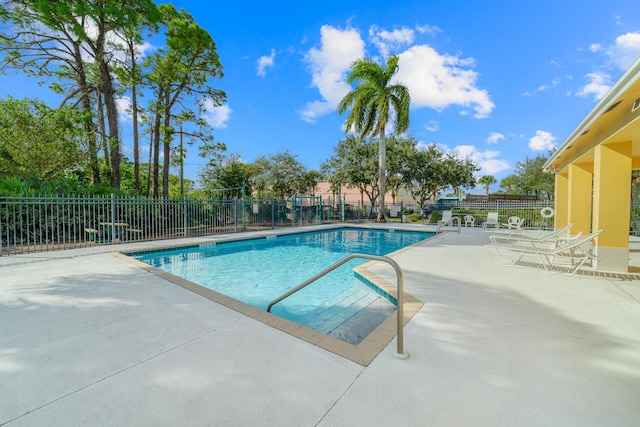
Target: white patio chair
(514, 223)
(469, 221)
(492, 220)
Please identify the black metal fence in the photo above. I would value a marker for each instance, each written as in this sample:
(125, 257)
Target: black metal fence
(40, 224)
(531, 211)
(45, 223)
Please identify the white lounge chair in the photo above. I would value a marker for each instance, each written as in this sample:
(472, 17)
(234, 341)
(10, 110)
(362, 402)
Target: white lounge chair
(492, 220)
(568, 254)
(446, 218)
(525, 237)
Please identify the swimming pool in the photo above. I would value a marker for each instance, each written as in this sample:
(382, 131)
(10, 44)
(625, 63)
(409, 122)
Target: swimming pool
(256, 271)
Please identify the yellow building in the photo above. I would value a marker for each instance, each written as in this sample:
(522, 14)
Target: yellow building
(594, 169)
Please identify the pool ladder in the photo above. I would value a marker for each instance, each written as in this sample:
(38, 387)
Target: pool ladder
(399, 286)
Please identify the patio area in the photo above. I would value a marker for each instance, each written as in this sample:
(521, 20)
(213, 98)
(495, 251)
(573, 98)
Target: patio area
(89, 339)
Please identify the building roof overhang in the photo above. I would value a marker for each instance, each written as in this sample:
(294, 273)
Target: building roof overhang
(615, 118)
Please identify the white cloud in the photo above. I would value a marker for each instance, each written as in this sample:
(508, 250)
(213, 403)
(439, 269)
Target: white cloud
(434, 80)
(625, 51)
(554, 82)
(386, 41)
(265, 62)
(598, 86)
(491, 166)
(487, 160)
(465, 151)
(216, 117)
(428, 29)
(115, 45)
(542, 141)
(432, 126)
(422, 146)
(618, 19)
(438, 81)
(144, 49)
(123, 105)
(494, 137)
(595, 47)
(329, 65)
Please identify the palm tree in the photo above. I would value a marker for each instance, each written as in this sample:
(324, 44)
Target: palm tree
(371, 103)
(487, 180)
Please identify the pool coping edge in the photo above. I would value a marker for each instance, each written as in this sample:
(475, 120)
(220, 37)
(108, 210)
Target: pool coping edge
(362, 353)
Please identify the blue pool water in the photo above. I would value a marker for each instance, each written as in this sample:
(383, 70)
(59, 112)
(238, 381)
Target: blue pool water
(259, 270)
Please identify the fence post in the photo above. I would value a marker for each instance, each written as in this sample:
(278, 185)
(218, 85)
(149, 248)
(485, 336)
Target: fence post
(235, 217)
(273, 214)
(113, 218)
(401, 212)
(184, 215)
(330, 205)
(1, 228)
(242, 213)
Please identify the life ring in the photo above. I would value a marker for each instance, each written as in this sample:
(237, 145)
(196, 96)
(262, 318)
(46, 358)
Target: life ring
(547, 212)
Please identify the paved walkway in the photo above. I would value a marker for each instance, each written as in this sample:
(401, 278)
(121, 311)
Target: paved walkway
(87, 339)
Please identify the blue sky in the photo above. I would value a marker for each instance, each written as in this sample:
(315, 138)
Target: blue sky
(492, 80)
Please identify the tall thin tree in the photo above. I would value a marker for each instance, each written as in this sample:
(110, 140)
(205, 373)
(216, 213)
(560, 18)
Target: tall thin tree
(371, 103)
(184, 70)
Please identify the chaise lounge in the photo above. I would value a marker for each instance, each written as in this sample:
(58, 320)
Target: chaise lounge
(563, 254)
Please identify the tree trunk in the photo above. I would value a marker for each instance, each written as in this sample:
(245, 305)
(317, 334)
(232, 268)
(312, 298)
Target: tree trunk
(103, 130)
(134, 113)
(112, 120)
(373, 202)
(156, 154)
(151, 145)
(89, 126)
(382, 160)
(105, 84)
(166, 140)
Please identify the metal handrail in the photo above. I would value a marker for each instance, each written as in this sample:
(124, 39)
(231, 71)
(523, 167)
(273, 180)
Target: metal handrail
(399, 285)
(453, 219)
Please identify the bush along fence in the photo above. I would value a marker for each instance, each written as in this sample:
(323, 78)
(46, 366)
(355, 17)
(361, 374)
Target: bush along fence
(536, 214)
(40, 224)
(45, 223)
(532, 212)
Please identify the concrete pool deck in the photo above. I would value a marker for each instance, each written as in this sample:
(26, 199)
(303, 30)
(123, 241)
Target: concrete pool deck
(88, 339)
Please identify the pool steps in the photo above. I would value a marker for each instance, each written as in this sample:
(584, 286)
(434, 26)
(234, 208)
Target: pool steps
(349, 312)
(338, 309)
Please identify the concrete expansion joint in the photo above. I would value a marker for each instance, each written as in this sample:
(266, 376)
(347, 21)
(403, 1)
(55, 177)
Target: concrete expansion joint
(328, 411)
